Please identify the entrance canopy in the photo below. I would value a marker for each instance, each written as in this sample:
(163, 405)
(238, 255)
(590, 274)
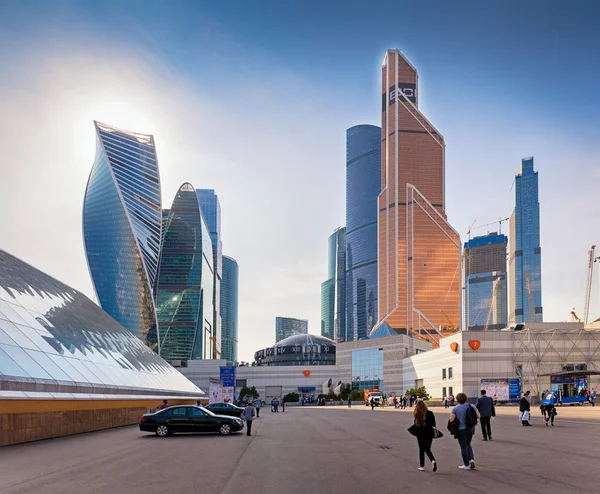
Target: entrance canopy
(572, 373)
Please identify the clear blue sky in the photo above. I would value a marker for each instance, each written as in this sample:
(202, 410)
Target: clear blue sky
(253, 99)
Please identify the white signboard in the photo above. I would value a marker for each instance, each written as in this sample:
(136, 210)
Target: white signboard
(498, 387)
(215, 391)
(228, 394)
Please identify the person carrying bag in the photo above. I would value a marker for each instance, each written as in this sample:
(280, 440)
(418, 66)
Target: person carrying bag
(424, 428)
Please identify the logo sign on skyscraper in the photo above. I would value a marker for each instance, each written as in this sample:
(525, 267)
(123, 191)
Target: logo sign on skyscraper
(405, 91)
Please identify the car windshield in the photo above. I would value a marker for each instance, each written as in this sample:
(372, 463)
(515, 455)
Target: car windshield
(549, 396)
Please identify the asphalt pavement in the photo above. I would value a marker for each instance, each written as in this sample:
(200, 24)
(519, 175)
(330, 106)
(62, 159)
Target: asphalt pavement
(317, 450)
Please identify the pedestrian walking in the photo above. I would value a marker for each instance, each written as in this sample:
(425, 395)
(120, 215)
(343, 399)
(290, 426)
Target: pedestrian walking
(283, 404)
(165, 404)
(349, 402)
(593, 397)
(525, 410)
(495, 399)
(248, 415)
(462, 423)
(273, 405)
(486, 408)
(424, 429)
(258, 405)
(276, 405)
(372, 401)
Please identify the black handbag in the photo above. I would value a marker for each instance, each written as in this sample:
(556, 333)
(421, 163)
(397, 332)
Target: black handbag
(437, 433)
(413, 429)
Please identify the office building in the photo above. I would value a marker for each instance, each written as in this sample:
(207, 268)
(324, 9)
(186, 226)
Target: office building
(525, 251)
(419, 252)
(66, 366)
(363, 185)
(229, 309)
(486, 300)
(211, 210)
(301, 349)
(333, 291)
(184, 289)
(288, 326)
(122, 228)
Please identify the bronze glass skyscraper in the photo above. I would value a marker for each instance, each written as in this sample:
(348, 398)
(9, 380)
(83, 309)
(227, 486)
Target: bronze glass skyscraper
(419, 252)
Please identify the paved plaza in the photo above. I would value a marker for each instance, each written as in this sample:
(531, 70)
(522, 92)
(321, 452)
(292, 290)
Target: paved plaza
(317, 450)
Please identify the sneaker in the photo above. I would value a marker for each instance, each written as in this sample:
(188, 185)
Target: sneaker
(484, 438)
(490, 438)
(472, 464)
(463, 467)
(422, 469)
(434, 463)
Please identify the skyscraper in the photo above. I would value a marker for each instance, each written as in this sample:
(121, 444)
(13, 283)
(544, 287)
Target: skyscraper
(363, 185)
(229, 309)
(419, 252)
(122, 227)
(525, 251)
(288, 326)
(333, 291)
(211, 210)
(486, 301)
(184, 288)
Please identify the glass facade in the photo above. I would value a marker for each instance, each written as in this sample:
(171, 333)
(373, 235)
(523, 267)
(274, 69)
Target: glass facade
(301, 349)
(486, 301)
(333, 291)
(525, 249)
(367, 369)
(211, 210)
(53, 339)
(229, 309)
(363, 185)
(184, 291)
(419, 259)
(327, 308)
(288, 326)
(122, 227)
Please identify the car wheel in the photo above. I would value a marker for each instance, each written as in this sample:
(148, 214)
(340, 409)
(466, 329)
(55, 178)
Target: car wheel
(581, 403)
(560, 403)
(163, 430)
(225, 429)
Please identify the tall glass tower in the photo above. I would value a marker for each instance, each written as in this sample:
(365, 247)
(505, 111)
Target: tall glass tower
(184, 289)
(122, 227)
(486, 301)
(211, 210)
(363, 185)
(525, 251)
(229, 309)
(289, 326)
(419, 257)
(333, 291)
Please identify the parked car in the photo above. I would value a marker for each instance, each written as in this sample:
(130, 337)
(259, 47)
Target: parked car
(555, 399)
(188, 419)
(225, 409)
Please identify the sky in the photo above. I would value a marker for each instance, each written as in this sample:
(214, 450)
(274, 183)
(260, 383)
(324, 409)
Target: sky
(253, 99)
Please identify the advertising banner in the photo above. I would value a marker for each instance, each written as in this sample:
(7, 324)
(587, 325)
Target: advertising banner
(228, 394)
(215, 391)
(227, 375)
(498, 387)
(514, 389)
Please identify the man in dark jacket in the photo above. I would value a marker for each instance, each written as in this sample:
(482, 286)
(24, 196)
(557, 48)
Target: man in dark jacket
(486, 408)
(525, 409)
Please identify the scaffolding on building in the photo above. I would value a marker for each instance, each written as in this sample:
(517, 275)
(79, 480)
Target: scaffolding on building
(542, 353)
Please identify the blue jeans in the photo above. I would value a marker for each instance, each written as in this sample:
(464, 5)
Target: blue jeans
(464, 439)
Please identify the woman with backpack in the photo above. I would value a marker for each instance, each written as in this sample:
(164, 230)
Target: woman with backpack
(462, 423)
(424, 429)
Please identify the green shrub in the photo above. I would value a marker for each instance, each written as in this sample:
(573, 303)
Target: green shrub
(291, 398)
(357, 395)
(332, 396)
(419, 392)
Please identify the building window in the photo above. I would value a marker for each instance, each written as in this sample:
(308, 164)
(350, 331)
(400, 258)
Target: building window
(449, 372)
(367, 369)
(444, 393)
(443, 373)
(450, 391)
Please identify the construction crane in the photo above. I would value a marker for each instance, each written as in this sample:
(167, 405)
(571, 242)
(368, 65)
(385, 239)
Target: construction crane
(495, 288)
(470, 228)
(451, 327)
(499, 222)
(529, 296)
(574, 316)
(588, 287)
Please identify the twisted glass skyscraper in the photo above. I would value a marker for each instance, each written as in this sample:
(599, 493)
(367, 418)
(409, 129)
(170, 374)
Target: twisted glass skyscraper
(184, 289)
(363, 185)
(229, 309)
(122, 227)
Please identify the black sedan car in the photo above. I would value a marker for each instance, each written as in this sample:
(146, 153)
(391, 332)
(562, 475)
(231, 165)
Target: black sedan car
(188, 419)
(225, 409)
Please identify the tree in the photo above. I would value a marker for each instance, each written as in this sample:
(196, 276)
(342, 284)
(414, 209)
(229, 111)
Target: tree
(345, 391)
(419, 392)
(248, 393)
(291, 398)
(357, 395)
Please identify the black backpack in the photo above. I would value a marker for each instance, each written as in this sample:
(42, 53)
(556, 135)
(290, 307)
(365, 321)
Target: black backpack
(470, 417)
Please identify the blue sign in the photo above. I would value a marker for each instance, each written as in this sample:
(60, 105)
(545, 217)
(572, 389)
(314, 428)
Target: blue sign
(227, 375)
(514, 389)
